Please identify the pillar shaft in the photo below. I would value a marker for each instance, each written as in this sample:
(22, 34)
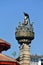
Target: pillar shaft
(24, 54)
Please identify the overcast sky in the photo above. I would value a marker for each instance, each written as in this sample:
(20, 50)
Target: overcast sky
(11, 12)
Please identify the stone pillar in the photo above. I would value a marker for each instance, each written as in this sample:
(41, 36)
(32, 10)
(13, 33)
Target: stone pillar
(24, 35)
(25, 54)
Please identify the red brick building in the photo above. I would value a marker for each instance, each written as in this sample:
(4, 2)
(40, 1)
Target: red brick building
(6, 60)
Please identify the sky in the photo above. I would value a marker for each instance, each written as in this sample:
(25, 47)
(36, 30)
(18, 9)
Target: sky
(11, 13)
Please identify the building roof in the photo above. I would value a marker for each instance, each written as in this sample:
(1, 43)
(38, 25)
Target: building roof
(6, 58)
(4, 45)
(36, 56)
(3, 41)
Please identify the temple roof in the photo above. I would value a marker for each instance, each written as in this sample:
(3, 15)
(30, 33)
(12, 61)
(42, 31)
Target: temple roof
(4, 45)
(6, 58)
(2, 41)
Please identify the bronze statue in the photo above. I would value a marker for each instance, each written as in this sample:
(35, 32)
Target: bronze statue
(26, 16)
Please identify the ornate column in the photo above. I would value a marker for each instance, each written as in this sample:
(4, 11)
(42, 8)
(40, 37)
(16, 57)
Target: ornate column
(24, 34)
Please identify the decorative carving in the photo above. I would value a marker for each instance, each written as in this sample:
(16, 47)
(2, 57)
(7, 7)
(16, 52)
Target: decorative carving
(25, 26)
